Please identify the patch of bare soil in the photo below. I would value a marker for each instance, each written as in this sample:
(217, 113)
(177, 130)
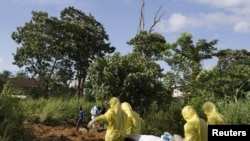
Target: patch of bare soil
(66, 133)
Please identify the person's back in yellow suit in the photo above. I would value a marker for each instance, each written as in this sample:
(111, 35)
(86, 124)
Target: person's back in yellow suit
(134, 124)
(213, 116)
(195, 128)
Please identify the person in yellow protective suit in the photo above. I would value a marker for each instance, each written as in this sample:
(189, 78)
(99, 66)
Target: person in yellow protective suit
(135, 122)
(213, 116)
(195, 128)
(116, 119)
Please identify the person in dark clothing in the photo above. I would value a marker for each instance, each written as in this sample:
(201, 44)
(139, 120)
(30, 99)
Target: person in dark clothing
(102, 112)
(80, 118)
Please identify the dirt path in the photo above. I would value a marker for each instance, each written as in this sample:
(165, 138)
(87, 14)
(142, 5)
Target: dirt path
(66, 133)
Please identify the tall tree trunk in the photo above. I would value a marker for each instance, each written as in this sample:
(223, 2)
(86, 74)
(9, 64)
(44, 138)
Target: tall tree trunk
(81, 81)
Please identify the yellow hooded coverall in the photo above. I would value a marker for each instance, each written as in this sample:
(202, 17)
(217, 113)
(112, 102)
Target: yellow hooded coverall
(116, 119)
(195, 128)
(213, 117)
(135, 122)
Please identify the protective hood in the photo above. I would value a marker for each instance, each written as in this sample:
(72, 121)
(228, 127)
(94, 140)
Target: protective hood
(209, 107)
(126, 106)
(188, 113)
(114, 102)
(213, 116)
(195, 129)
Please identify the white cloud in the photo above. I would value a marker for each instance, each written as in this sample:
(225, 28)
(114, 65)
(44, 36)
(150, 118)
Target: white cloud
(241, 11)
(231, 14)
(238, 7)
(242, 26)
(174, 23)
(223, 3)
(179, 22)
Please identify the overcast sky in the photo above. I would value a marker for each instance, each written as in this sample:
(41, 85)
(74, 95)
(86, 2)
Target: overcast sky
(225, 20)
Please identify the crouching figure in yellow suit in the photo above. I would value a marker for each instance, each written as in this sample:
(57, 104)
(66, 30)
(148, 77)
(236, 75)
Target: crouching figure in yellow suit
(213, 116)
(116, 119)
(195, 128)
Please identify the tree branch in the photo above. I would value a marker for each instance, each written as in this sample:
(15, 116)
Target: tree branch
(156, 19)
(141, 23)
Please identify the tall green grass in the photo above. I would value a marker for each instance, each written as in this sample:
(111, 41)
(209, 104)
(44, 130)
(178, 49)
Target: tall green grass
(55, 110)
(159, 118)
(237, 111)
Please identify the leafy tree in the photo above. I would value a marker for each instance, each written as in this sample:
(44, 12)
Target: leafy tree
(185, 58)
(54, 49)
(149, 44)
(230, 77)
(6, 74)
(22, 74)
(84, 39)
(133, 78)
(37, 51)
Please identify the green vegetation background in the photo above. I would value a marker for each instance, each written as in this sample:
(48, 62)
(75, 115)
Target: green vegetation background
(15, 114)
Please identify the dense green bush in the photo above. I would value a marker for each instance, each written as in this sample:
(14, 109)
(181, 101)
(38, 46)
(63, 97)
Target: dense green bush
(164, 118)
(11, 117)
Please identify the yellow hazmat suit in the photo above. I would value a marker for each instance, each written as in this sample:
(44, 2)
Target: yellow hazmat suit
(195, 128)
(135, 122)
(116, 118)
(213, 117)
